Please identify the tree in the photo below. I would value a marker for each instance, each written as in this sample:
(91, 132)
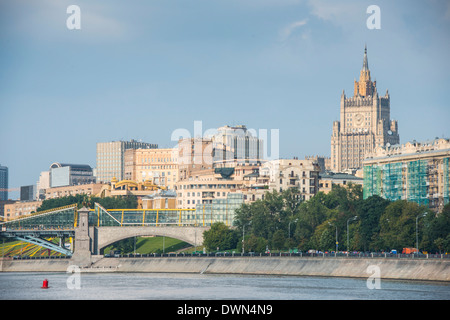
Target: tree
(398, 224)
(311, 214)
(278, 240)
(220, 236)
(369, 213)
(119, 202)
(264, 218)
(252, 244)
(437, 230)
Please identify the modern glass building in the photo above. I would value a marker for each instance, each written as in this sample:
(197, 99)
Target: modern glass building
(417, 172)
(219, 210)
(3, 183)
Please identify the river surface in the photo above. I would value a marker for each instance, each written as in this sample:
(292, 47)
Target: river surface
(170, 286)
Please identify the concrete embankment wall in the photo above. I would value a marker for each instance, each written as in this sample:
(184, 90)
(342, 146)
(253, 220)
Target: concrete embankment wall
(390, 268)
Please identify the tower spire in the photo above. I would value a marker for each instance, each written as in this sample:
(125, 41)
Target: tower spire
(365, 62)
(364, 87)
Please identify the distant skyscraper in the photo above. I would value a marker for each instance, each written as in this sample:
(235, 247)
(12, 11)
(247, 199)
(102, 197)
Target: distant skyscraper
(364, 124)
(3, 183)
(110, 158)
(236, 145)
(62, 174)
(28, 193)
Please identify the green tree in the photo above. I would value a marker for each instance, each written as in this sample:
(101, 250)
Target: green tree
(278, 240)
(437, 230)
(369, 213)
(311, 214)
(398, 224)
(119, 202)
(252, 244)
(124, 246)
(263, 218)
(220, 236)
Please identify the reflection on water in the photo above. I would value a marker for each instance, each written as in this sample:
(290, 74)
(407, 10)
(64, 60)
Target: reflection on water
(153, 286)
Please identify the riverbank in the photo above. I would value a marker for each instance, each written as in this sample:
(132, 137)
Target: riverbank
(389, 268)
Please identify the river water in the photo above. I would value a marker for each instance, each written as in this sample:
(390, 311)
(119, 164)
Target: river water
(170, 286)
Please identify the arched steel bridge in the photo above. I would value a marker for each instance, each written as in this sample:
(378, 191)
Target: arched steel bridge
(62, 223)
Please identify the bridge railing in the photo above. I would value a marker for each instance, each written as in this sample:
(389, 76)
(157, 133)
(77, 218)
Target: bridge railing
(102, 217)
(67, 218)
(59, 218)
(278, 254)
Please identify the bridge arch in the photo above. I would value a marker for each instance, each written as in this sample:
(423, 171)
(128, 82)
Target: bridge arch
(106, 236)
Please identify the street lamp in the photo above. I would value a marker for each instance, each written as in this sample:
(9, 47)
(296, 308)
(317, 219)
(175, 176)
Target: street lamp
(351, 219)
(243, 234)
(417, 233)
(289, 232)
(337, 243)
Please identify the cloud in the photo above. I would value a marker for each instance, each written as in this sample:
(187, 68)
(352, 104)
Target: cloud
(287, 32)
(344, 14)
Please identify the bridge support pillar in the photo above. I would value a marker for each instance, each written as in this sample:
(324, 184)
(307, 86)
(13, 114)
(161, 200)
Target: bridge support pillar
(82, 252)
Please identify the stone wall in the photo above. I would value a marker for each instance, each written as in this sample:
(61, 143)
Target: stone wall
(390, 268)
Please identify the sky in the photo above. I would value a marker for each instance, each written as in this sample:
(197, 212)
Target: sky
(143, 69)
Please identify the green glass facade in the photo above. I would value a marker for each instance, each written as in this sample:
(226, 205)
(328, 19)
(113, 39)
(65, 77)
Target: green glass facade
(409, 180)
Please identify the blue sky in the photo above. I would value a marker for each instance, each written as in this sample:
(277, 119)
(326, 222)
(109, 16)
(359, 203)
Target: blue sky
(142, 69)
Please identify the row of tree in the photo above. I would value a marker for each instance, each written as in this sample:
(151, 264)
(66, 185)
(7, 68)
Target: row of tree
(123, 202)
(341, 220)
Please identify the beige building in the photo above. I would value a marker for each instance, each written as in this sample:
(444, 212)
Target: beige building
(91, 189)
(414, 171)
(110, 158)
(323, 162)
(205, 185)
(159, 166)
(284, 174)
(365, 124)
(160, 200)
(328, 179)
(194, 154)
(20, 208)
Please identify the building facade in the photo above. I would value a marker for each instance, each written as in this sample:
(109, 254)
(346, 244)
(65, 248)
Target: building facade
(328, 179)
(110, 158)
(90, 189)
(28, 193)
(42, 184)
(160, 166)
(20, 208)
(3, 183)
(203, 186)
(365, 123)
(194, 154)
(64, 175)
(414, 171)
(283, 174)
(234, 145)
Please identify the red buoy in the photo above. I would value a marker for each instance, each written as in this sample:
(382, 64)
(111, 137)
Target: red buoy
(45, 284)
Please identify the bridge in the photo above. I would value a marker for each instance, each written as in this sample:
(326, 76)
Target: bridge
(94, 229)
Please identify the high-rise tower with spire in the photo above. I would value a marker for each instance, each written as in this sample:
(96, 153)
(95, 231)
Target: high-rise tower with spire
(364, 123)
